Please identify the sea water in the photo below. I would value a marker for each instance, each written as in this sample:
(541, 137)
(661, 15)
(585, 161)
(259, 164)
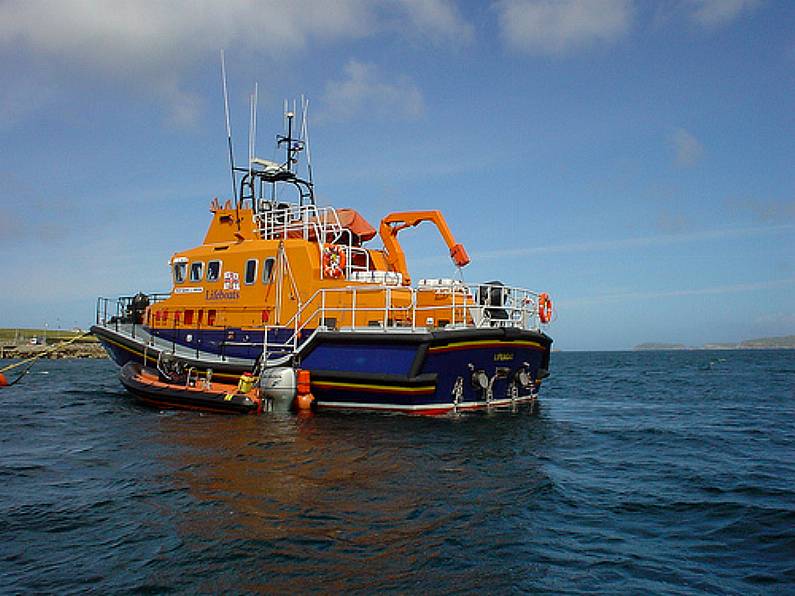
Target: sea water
(641, 472)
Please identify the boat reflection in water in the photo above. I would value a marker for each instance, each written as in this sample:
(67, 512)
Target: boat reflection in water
(347, 502)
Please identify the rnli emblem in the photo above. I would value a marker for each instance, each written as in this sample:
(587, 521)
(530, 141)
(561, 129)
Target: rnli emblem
(231, 280)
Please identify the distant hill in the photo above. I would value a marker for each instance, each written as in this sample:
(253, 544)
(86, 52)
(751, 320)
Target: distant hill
(659, 346)
(786, 342)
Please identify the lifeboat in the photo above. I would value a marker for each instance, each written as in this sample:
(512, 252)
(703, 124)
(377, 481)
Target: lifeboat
(153, 387)
(280, 282)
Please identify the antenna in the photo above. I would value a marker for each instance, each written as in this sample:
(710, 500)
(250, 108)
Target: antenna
(254, 136)
(284, 114)
(250, 133)
(305, 134)
(228, 127)
(303, 117)
(288, 140)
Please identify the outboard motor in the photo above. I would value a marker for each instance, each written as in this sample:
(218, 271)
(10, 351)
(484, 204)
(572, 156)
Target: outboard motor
(492, 296)
(278, 386)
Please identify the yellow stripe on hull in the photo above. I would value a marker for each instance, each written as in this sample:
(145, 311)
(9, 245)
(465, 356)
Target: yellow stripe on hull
(486, 343)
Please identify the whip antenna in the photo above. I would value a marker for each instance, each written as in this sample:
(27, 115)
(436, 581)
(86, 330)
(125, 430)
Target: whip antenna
(254, 135)
(228, 127)
(250, 133)
(305, 134)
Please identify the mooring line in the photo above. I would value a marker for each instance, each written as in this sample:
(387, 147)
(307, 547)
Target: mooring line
(32, 360)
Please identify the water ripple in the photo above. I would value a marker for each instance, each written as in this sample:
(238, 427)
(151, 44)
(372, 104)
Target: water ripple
(641, 472)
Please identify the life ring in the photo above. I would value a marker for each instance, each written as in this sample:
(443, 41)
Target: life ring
(334, 261)
(544, 308)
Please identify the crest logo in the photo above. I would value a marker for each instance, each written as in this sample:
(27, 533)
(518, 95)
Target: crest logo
(231, 280)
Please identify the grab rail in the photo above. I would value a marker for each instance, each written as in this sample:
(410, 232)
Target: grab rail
(402, 309)
(479, 306)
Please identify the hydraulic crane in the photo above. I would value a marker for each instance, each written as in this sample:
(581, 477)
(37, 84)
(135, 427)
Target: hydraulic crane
(394, 222)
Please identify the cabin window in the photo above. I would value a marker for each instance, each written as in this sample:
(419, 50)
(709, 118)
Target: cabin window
(189, 317)
(251, 271)
(211, 317)
(196, 271)
(267, 269)
(179, 272)
(213, 270)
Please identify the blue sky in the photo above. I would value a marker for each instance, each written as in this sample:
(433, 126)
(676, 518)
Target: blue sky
(632, 158)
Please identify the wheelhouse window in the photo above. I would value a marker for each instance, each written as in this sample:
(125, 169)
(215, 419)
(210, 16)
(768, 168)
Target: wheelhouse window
(196, 271)
(179, 272)
(267, 269)
(213, 270)
(251, 271)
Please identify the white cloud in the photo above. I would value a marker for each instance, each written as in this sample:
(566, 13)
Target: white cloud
(150, 46)
(761, 210)
(653, 295)
(365, 88)
(150, 35)
(687, 148)
(622, 244)
(438, 20)
(558, 26)
(713, 13)
(640, 242)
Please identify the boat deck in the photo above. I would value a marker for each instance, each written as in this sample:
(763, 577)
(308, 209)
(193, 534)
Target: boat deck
(153, 345)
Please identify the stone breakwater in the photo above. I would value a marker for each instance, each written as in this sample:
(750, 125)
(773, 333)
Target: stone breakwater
(89, 349)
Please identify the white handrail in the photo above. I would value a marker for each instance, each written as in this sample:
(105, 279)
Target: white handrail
(308, 220)
(483, 306)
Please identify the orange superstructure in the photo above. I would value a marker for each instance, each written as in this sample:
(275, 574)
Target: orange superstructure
(245, 277)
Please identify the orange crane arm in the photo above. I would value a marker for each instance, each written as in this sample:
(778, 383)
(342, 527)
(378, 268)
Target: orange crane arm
(394, 222)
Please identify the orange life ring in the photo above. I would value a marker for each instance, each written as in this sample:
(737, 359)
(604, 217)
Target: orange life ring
(544, 308)
(334, 261)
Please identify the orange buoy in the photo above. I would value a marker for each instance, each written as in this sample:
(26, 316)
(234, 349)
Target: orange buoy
(3, 380)
(304, 401)
(304, 397)
(303, 381)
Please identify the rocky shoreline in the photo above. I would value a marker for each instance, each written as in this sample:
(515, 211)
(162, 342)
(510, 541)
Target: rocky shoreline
(88, 349)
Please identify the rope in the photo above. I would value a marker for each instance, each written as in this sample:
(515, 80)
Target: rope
(22, 374)
(44, 353)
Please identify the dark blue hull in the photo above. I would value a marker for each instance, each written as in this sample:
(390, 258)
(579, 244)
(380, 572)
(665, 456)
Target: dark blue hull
(422, 372)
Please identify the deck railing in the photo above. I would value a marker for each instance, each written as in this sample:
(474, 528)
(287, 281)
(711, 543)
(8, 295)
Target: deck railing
(290, 220)
(404, 309)
(115, 311)
(433, 304)
(310, 222)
